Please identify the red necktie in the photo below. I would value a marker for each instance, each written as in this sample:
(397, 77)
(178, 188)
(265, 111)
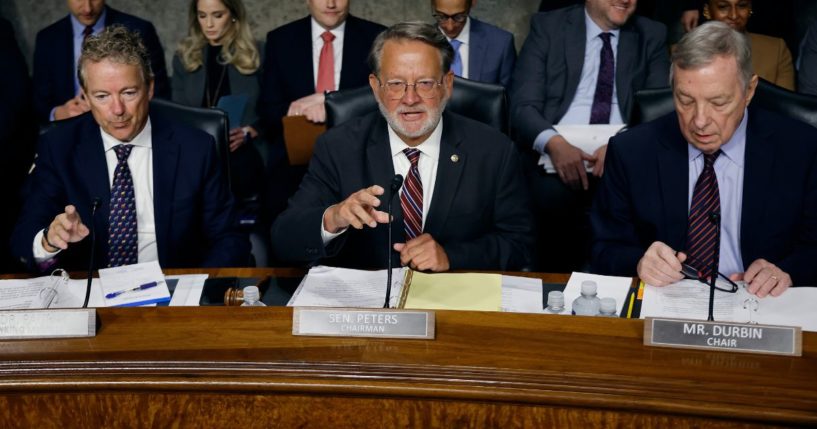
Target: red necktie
(703, 237)
(326, 64)
(411, 200)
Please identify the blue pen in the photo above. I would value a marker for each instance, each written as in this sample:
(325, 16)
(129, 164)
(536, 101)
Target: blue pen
(140, 287)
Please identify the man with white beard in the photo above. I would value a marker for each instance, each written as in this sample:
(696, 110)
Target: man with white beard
(463, 203)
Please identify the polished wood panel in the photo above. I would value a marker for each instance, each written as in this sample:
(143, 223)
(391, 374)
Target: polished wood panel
(220, 366)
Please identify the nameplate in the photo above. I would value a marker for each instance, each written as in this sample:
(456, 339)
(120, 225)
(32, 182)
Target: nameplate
(380, 323)
(725, 336)
(63, 323)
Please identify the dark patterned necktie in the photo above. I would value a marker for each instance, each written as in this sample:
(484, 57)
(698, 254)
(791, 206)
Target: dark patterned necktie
(603, 98)
(122, 241)
(87, 33)
(703, 236)
(411, 200)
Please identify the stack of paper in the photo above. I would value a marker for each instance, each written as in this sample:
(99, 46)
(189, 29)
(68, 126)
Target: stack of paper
(134, 285)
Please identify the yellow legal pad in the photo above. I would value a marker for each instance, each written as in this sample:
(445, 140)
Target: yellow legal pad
(452, 291)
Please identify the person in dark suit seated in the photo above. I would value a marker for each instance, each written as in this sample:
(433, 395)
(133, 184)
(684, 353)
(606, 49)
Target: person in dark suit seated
(220, 58)
(716, 177)
(482, 52)
(579, 65)
(150, 188)
(463, 204)
(57, 94)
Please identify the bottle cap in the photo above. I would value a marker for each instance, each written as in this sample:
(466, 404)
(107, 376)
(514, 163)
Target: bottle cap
(589, 287)
(251, 293)
(608, 306)
(556, 299)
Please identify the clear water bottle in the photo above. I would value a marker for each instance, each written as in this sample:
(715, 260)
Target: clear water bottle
(588, 304)
(608, 307)
(252, 297)
(556, 302)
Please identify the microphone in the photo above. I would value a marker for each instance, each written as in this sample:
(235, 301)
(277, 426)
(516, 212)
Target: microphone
(715, 218)
(94, 206)
(396, 183)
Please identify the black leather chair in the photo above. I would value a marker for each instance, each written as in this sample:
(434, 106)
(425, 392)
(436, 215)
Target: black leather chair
(480, 101)
(653, 103)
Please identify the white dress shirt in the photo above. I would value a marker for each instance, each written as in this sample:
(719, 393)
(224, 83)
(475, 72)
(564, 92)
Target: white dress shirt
(337, 46)
(465, 38)
(427, 165)
(140, 163)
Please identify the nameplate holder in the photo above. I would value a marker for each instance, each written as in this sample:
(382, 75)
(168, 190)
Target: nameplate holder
(377, 323)
(61, 323)
(723, 336)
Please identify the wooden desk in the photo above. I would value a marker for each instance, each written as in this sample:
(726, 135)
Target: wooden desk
(241, 367)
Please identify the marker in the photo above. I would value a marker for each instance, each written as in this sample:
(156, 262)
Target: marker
(140, 287)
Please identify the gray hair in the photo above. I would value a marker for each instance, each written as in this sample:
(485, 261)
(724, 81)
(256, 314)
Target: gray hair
(119, 45)
(702, 45)
(419, 31)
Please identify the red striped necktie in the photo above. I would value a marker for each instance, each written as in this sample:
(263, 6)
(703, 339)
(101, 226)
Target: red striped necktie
(411, 199)
(703, 236)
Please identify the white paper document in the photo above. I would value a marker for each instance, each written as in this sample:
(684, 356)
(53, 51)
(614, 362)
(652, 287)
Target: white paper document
(607, 287)
(689, 299)
(188, 289)
(588, 138)
(134, 285)
(28, 294)
(342, 287)
(521, 294)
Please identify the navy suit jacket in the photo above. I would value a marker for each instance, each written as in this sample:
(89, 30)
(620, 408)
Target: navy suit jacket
(644, 195)
(54, 69)
(288, 73)
(479, 212)
(492, 54)
(550, 64)
(193, 208)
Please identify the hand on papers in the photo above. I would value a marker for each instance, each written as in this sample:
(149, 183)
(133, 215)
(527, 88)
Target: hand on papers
(660, 265)
(569, 162)
(73, 107)
(423, 253)
(64, 229)
(240, 135)
(764, 278)
(310, 106)
(358, 210)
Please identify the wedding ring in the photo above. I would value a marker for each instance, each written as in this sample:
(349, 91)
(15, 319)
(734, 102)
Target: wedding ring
(774, 278)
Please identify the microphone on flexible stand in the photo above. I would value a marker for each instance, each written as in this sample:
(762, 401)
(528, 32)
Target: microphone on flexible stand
(396, 183)
(94, 206)
(714, 217)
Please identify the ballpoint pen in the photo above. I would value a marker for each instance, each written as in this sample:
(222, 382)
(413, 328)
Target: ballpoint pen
(140, 287)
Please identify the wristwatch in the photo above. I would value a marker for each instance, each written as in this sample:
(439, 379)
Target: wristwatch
(45, 236)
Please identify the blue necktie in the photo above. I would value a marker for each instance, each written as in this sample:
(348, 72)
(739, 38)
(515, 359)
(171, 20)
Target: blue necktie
(456, 64)
(703, 236)
(123, 248)
(603, 98)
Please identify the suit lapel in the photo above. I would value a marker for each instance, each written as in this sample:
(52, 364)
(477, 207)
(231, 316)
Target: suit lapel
(448, 177)
(165, 165)
(759, 162)
(64, 53)
(673, 168)
(575, 42)
(626, 56)
(352, 45)
(93, 171)
(476, 52)
(379, 159)
(300, 57)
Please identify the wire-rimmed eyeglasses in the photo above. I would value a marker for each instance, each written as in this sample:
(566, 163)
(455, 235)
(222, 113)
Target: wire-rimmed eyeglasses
(459, 18)
(425, 88)
(722, 282)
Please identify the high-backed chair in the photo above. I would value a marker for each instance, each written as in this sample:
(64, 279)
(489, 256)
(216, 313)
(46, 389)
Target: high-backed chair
(653, 103)
(480, 101)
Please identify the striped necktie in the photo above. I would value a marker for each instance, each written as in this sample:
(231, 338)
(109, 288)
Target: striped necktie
(411, 199)
(703, 236)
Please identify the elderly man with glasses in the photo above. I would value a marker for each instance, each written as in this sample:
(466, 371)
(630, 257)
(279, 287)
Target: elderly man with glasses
(463, 203)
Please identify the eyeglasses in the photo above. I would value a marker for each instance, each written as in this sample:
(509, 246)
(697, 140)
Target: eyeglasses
(396, 89)
(722, 283)
(459, 18)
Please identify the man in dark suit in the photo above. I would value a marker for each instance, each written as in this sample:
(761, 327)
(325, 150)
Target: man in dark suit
(463, 204)
(152, 190)
(487, 53)
(57, 93)
(716, 179)
(579, 65)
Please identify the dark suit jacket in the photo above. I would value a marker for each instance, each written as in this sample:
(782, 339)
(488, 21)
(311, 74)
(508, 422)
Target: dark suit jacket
(479, 212)
(54, 60)
(193, 208)
(644, 195)
(288, 73)
(549, 68)
(491, 55)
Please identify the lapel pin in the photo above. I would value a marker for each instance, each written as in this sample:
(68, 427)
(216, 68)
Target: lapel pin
(455, 158)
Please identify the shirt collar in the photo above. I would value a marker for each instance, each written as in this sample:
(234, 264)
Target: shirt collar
(79, 27)
(430, 147)
(142, 139)
(734, 149)
(465, 34)
(317, 30)
(594, 30)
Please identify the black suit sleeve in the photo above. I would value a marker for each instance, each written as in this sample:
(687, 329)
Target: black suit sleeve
(161, 84)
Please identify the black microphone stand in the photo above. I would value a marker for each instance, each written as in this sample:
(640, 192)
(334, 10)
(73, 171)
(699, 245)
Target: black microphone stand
(396, 183)
(715, 218)
(94, 206)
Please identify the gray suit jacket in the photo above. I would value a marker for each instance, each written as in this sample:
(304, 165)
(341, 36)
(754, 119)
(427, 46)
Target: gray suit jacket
(549, 68)
(492, 54)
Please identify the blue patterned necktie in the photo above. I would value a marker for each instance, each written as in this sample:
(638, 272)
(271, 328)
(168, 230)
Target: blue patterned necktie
(603, 98)
(122, 242)
(703, 236)
(456, 63)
